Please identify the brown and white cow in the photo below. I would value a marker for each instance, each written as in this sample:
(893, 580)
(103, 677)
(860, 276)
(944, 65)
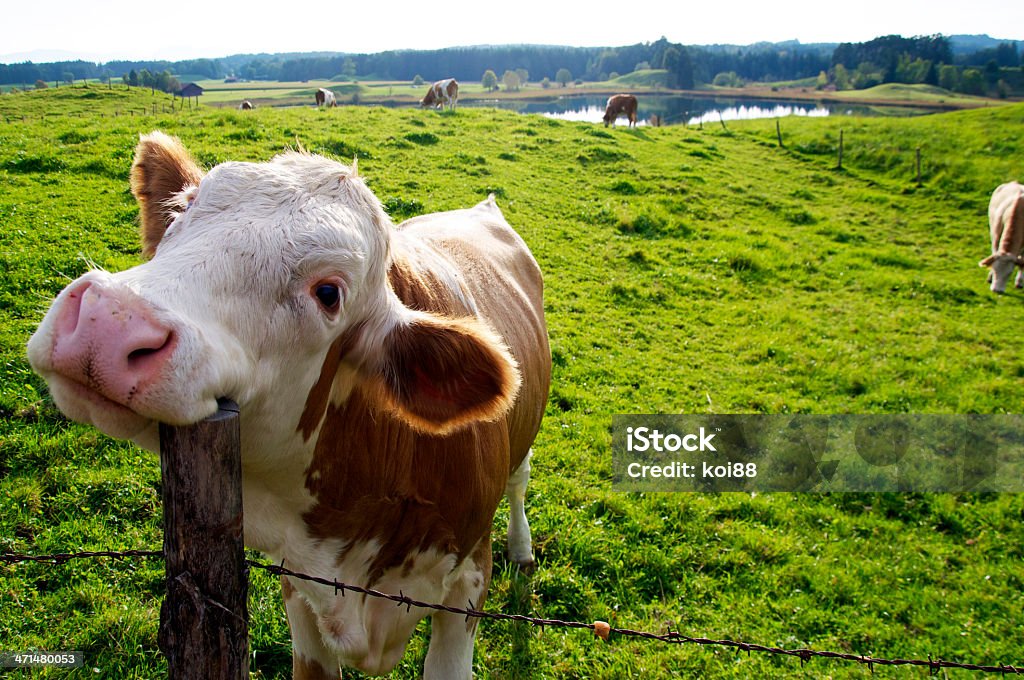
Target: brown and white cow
(1006, 226)
(391, 382)
(442, 94)
(325, 97)
(246, 105)
(620, 105)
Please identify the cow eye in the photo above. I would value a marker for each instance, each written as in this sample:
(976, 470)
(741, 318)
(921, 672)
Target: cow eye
(329, 296)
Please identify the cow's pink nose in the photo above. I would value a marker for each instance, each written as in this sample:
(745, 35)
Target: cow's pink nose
(109, 340)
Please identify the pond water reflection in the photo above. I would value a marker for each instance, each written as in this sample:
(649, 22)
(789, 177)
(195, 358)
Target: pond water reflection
(674, 110)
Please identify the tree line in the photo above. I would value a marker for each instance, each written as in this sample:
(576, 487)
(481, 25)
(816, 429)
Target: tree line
(926, 59)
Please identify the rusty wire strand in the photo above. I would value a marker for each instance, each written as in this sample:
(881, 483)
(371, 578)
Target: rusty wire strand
(672, 637)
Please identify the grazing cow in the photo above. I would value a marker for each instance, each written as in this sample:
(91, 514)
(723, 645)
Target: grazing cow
(246, 106)
(620, 105)
(325, 97)
(1006, 223)
(391, 382)
(442, 94)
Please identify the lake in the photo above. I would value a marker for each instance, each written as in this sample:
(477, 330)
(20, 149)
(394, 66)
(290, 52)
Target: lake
(675, 110)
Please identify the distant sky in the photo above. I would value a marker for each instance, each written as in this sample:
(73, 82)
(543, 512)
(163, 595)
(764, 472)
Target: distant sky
(103, 30)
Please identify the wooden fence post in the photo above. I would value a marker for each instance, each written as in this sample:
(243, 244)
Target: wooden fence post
(918, 166)
(840, 166)
(778, 133)
(204, 621)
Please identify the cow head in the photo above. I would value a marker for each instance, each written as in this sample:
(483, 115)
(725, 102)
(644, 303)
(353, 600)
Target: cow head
(1001, 264)
(261, 276)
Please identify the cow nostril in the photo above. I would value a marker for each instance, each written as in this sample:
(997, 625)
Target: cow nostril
(142, 353)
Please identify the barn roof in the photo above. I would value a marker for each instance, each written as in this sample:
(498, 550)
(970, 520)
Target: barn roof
(190, 90)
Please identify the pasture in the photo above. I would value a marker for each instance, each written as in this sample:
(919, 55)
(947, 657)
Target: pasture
(694, 271)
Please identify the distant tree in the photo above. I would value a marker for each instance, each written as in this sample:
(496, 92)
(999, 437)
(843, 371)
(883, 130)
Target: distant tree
(642, 66)
(524, 76)
(729, 79)
(821, 81)
(908, 71)
(133, 78)
(991, 72)
(972, 82)
(949, 77)
(489, 80)
(417, 81)
(510, 79)
(348, 67)
(68, 77)
(677, 61)
(545, 83)
(563, 77)
(841, 77)
(867, 75)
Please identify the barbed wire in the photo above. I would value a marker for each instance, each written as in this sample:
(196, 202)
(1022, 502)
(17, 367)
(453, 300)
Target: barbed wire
(600, 628)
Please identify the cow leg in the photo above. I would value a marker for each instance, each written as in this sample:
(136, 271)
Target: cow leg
(311, 660)
(450, 655)
(1019, 282)
(520, 544)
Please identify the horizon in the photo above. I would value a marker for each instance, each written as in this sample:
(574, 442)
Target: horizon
(204, 31)
(44, 56)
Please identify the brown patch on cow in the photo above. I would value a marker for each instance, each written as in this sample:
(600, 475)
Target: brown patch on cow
(162, 168)
(316, 400)
(1013, 227)
(310, 669)
(422, 290)
(376, 478)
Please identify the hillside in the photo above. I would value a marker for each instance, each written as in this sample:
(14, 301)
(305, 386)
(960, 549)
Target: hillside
(686, 270)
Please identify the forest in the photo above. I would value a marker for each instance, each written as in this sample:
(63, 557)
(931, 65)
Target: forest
(970, 64)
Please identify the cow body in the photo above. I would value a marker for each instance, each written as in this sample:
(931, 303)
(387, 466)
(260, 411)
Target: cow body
(620, 105)
(246, 105)
(1006, 228)
(391, 382)
(325, 97)
(442, 94)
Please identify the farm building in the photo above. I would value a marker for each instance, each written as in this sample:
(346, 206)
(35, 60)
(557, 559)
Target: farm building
(188, 91)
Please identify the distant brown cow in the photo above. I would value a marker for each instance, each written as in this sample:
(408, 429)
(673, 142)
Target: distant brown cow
(443, 93)
(325, 97)
(620, 105)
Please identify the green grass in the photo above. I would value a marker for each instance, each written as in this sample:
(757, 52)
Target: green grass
(646, 78)
(909, 93)
(686, 271)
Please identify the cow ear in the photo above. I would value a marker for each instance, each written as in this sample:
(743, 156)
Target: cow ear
(162, 168)
(441, 373)
(987, 261)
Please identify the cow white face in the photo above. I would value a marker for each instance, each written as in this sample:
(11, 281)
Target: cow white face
(1002, 265)
(258, 271)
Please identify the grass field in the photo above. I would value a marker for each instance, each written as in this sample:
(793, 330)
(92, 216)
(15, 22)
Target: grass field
(695, 271)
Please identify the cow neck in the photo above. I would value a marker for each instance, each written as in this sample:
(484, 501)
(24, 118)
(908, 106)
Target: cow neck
(374, 478)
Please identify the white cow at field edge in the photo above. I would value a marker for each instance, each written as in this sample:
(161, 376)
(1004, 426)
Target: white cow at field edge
(391, 382)
(1006, 224)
